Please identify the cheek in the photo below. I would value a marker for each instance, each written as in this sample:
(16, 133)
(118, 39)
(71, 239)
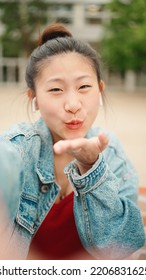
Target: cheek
(49, 116)
(49, 113)
(92, 104)
(47, 108)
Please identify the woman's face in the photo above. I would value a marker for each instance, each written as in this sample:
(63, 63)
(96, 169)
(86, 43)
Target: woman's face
(67, 93)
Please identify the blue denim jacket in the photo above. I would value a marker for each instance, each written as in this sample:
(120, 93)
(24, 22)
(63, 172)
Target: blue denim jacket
(107, 217)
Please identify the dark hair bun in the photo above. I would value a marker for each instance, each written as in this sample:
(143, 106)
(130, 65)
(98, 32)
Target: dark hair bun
(53, 31)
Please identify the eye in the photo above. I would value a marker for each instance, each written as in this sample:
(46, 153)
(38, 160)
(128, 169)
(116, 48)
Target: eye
(84, 87)
(55, 90)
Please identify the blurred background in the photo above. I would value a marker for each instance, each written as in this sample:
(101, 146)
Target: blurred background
(116, 29)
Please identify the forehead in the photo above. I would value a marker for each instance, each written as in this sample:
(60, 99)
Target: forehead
(70, 61)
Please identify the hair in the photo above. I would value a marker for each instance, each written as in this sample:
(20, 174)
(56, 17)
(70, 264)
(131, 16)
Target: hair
(57, 39)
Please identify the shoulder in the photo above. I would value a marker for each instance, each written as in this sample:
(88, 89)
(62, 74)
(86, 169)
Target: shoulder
(22, 129)
(26, 130)
(26, 136)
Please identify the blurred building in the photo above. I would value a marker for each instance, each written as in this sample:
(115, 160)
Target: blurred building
(83, 17)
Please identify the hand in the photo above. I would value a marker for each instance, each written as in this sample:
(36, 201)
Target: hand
(86, 151)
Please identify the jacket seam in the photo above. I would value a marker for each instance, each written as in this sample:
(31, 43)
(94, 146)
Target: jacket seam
(96, 184)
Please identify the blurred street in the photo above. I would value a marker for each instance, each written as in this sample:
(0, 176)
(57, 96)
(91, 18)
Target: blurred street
(125, 114)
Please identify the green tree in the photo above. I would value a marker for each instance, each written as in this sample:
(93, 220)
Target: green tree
(22, 21)
(124, 44)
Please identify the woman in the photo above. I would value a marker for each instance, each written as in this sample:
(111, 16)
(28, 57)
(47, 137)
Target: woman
(77, 190)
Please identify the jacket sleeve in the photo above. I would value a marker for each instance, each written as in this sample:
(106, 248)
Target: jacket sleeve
(10, 170)
(105, 205)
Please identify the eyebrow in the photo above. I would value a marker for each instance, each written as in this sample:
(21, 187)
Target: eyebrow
(54, 80)
(61, 79)
(83, 77)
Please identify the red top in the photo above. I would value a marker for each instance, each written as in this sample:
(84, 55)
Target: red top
(57, 237)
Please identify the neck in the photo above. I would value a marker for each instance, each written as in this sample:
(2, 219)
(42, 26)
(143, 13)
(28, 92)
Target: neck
(60, 161)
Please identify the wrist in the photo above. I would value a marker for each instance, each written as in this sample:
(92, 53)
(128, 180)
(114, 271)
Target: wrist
(89, 180)
(84, 167)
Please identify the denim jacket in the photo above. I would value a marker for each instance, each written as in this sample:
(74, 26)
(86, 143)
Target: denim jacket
(105, 198)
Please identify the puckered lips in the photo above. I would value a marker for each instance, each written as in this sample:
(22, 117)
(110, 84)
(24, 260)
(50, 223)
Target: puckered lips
(74, 124)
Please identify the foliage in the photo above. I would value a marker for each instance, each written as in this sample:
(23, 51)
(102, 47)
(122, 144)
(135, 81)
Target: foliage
(124, 44)
(22, 21)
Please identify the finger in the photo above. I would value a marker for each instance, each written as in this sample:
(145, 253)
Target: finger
(74, 146)
(65, 146)
(103, 141)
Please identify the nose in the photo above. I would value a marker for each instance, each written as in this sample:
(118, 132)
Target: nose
(72, 103)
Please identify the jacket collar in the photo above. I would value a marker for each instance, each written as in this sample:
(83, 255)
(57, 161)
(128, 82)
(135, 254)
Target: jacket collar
(45, 164)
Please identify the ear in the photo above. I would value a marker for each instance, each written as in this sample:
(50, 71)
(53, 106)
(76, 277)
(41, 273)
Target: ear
(30, 94)
(32, 97)
(101, 86)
